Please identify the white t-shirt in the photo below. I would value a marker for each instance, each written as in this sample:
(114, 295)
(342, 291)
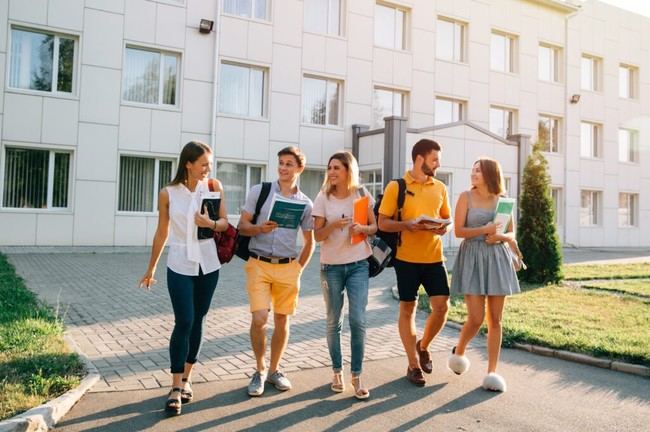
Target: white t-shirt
(337, 248)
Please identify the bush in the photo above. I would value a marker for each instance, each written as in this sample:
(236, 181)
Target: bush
(537, 233)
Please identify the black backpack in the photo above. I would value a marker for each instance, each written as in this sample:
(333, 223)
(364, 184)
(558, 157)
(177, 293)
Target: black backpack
(241, 249)
(392, 239)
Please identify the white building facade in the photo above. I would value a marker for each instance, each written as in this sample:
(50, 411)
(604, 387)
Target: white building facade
(99, 97)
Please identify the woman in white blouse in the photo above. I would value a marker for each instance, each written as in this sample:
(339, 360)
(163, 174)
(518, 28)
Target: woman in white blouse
(192, 264)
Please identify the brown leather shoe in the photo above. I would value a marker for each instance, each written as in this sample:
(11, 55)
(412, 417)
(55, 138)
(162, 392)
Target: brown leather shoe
(415, 376)
(425, 358)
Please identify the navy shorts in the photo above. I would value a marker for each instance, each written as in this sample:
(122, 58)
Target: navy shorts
(432, 276)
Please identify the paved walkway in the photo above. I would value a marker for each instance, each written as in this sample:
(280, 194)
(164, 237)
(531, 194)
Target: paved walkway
(125, 330)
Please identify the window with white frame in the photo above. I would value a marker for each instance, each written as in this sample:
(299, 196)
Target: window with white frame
(373, 181)
(548, 132)
(450, 40)
(42, 61)
(503, 52)
(311, 181)
(590, 69)
(628, 205)
(320, 101)
(556, 198)
(386, 103)
(502, 121)
(627, 81)
(548, 63)
(448, 110)
(323, 16)
(507, 183)
(237, 179)
(36, 178)
(141, 178)
(242, 90)
(628, 145)
(390, 27)
(590, 137)
(257, 9)
(590, 202)
(150, 76)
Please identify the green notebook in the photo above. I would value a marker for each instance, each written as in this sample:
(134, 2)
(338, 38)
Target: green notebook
(503, 213)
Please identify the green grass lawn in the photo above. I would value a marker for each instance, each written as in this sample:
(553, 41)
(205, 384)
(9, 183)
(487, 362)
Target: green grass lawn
(639, 287)
(612, 321)
(35, 364)
(607, 271)
(577, 320)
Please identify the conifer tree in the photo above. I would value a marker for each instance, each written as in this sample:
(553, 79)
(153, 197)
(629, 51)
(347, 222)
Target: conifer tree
(537, 233)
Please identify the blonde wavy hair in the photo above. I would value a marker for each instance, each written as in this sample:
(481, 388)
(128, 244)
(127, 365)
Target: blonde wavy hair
(352, 167)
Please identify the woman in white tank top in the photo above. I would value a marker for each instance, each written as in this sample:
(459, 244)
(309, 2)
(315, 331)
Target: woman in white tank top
(192, 264)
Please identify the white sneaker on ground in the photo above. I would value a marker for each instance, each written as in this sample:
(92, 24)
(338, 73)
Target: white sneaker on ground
(494, 382)
(256, 386)
(279, 380)
(458, 364)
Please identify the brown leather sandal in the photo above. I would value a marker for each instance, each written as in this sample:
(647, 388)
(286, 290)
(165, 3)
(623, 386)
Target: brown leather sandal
(173, 404)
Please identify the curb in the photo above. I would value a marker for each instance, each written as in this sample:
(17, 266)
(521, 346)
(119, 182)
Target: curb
(44, 417)
(614, 365)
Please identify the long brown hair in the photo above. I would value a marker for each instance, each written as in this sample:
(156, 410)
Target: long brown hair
(491, 171)
(190, 153)
(352, 167)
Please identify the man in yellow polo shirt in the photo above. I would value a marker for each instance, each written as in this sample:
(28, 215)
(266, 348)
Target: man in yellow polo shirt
(419, 259)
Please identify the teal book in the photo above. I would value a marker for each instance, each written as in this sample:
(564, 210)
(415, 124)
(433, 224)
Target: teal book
(503, 213)
(286, 212)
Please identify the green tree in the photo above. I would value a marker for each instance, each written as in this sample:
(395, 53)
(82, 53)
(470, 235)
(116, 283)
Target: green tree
(537, 234)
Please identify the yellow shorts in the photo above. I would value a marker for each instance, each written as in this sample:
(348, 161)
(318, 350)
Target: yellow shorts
(274, 285)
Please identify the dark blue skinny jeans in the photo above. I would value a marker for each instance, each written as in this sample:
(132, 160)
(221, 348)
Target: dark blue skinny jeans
(191, 297)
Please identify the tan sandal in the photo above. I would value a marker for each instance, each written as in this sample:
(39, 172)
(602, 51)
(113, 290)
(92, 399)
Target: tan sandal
(338, 386)
(360, 392)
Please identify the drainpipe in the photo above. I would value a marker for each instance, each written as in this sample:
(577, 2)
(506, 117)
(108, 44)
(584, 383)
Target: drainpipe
(566, 129)
(215, 80)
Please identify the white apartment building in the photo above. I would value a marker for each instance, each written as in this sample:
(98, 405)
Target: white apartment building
(99, 96)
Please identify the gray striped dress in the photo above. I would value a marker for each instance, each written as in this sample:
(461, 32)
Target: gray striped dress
(481, 268)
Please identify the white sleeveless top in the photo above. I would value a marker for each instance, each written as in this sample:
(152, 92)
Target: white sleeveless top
(186, 251)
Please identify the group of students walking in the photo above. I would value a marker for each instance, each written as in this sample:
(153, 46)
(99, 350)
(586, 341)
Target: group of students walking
(482, 271)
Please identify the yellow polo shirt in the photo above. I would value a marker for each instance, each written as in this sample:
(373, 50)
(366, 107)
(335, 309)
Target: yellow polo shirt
(429, 198)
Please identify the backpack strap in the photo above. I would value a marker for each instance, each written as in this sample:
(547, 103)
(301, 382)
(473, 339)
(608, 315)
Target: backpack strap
(401, 197)
(264, 194)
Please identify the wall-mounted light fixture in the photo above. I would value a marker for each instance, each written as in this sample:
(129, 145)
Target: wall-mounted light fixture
(205, 26)
(575, 99)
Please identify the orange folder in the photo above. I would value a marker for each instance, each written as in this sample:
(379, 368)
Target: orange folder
(360, 216)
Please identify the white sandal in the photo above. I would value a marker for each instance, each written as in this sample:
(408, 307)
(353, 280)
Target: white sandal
(360, 392)
(338, 386)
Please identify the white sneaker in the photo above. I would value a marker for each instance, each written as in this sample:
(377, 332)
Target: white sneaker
(494, 382)
(256, 386)
(279, 380)
(458, 364)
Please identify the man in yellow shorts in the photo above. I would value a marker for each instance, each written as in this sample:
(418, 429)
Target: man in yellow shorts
(419, 259)
(274, 268)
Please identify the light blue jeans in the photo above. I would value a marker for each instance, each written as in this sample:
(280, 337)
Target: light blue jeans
(336, 278)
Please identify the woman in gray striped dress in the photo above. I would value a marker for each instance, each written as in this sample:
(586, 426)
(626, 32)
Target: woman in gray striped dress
(483, 271)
